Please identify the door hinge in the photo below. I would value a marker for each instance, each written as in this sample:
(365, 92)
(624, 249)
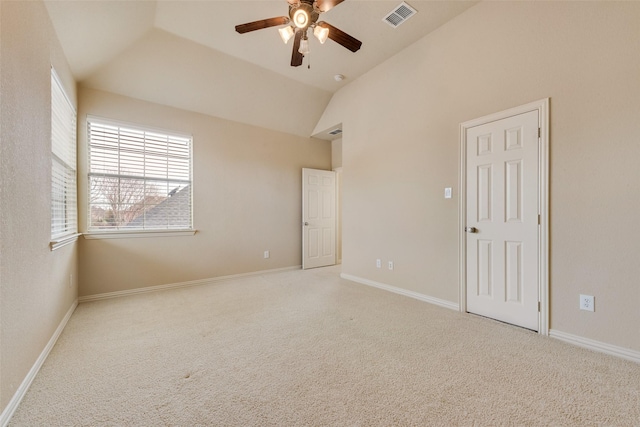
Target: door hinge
(538, 219)
(538, 306)
(539, 132)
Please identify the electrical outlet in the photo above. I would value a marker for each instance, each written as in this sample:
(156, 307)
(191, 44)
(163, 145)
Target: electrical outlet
(266, 254)
(378, 263)
(390, 265)
(587, 302)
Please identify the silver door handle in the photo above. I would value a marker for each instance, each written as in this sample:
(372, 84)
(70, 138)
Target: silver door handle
(306, 223)
(471, 229)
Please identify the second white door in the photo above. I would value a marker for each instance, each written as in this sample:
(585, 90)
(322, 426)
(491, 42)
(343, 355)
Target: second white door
(318, 218)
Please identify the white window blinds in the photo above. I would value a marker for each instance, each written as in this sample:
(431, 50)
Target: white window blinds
(139, 179)
(64, 209)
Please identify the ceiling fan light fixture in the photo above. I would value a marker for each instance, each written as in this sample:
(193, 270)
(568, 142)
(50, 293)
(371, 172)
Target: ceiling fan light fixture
(301, 18)
(286, 33)
(321, 33)
(304, 46)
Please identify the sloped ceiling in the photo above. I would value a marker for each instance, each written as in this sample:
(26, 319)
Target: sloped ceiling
(186, 54)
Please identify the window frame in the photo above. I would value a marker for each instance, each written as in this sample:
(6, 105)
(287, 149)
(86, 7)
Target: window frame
(118, 232)
(64, 185)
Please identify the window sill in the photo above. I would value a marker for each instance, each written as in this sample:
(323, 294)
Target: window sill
(63, 241)
(137, 234)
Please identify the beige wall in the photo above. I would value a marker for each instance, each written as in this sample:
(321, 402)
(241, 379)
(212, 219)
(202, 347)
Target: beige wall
(252, 95)
(336, 153)
(247, 199)
(401, 149)
(35, 292)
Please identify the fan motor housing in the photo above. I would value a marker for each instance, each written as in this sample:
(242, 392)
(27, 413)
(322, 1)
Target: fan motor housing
(311, 11)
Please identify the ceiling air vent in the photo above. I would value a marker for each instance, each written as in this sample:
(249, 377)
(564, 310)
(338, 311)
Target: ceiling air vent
(337, 131)
(399, 15)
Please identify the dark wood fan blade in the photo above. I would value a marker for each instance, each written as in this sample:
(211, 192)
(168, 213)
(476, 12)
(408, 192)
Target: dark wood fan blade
(326, 5)
(259, 25)
(342, 38)
(296, 56)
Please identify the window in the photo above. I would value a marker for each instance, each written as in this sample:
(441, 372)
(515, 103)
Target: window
(139, 179)
(64, 208)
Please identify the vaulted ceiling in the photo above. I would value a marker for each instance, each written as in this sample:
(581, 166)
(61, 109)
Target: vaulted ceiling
(187, 54)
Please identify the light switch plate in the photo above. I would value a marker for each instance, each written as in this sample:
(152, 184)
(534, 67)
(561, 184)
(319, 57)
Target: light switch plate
(447, 193)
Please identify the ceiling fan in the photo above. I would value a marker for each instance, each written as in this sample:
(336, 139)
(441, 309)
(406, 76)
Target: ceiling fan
(304, 14)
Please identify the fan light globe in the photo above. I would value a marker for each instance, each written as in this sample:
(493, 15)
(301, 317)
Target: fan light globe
(321, 33)
(286, 33)
(300, 18)
(304, 46)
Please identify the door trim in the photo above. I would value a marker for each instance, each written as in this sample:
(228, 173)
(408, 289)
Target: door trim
(338, 172)
(542, 107)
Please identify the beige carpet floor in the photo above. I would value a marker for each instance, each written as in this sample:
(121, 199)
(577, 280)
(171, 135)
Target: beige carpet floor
(305, 348)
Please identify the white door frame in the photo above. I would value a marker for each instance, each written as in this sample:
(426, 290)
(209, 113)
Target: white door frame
(542, 106)
(338, 172)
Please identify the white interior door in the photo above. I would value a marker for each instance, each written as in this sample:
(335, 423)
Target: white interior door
(502, 220)
(318, 218)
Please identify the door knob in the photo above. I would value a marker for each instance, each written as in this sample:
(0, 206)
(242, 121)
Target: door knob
(471, 229)
(306, 223)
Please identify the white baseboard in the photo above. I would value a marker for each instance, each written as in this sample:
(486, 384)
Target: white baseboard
(8, 412)
(431, 300)
(598, 346)
(156, 288)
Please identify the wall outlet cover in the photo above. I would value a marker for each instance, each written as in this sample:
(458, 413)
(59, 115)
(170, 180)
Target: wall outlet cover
(587, 302)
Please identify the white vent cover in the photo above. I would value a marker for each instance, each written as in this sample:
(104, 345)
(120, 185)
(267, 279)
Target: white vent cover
(399, 15)
(337, 131)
